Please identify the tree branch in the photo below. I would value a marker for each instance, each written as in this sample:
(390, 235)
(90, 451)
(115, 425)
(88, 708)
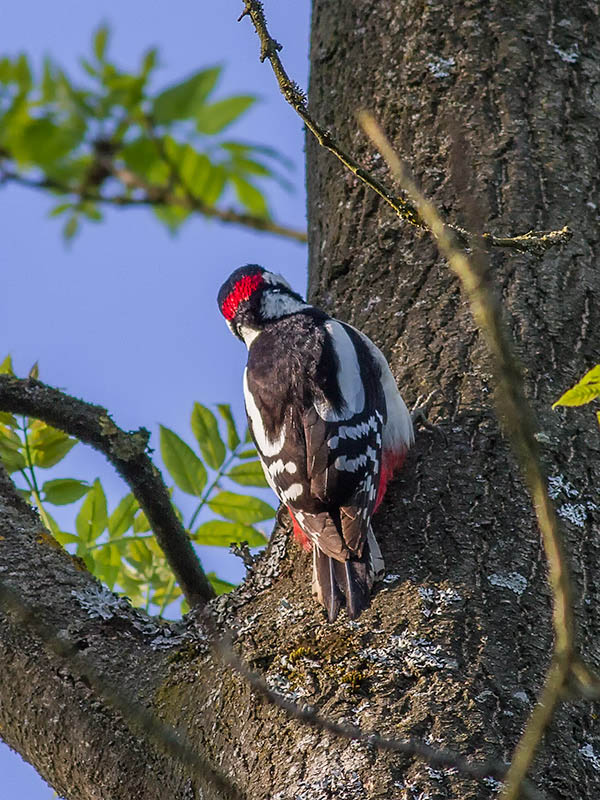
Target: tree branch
(518, 419)
(536, 242)
(155, 196)
(127, 452)
(140, 718)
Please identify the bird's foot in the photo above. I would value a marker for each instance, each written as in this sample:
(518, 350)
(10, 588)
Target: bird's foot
(420, 411)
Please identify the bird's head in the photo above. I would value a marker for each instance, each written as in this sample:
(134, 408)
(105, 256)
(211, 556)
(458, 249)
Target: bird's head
(252, 297)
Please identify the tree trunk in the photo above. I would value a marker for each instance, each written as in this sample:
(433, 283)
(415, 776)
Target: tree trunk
(495, 107)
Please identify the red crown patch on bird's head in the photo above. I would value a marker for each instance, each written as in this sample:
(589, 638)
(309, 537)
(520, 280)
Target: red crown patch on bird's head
(243, 289)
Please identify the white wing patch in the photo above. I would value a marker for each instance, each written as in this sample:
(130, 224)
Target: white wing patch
(266, 447)
(352, 464)
(348, 376)
(357, 431)
(398, 431)
(277, 467)
(292, 493)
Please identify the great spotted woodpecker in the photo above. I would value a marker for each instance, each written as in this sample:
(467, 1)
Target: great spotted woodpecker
(329, 425)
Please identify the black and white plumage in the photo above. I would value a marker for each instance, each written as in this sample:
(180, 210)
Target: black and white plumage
(329, 425)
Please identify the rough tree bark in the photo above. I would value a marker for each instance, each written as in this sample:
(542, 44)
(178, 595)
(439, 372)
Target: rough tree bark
(495, 106)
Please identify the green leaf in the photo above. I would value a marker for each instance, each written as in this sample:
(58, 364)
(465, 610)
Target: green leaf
(206, 431)
(183, 100)
(43, 142)
(64, 538)
(186, 469)
(248, 474)
(48, 445)
(6, 70)
(222, 534)
(140, 523)
(219, 585)
(11, 453)
(107, 564)
(71, 227)
(249, 196)
(92, 518)
(100, 41)
(48, 82)
(142, 156)
(122, 517)
(140, 555)
(193, 168)
(216, 117)
(8, 419)
(60, 209)
(584, 391)
(239, 148)
(233, 438)
(215, 183)
(133, 586)
(172, 216)
(252, 453)
(167, 593)
(22, 73)
(241, 507)
(252, 167)
(91, 71)
(6, 367)
(62, 491)
(149, 61)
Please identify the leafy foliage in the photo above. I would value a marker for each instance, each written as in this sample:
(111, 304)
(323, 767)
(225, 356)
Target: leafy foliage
(82, 139)
(584, 391)
(117, 544)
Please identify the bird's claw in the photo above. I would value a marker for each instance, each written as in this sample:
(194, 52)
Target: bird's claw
(420, 411)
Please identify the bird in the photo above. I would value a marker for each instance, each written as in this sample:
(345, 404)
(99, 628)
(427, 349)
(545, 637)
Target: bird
(329, 424)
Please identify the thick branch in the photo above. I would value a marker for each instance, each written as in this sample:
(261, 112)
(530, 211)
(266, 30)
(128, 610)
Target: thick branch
(81, 670)
(127, 452)
(139, 718)
(536, 242)
(156, 196)
(518, 419)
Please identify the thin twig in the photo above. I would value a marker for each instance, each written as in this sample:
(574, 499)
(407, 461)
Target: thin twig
(155, 196)
(536, 242)
(142, 719)
(518, 419)
(127, 452)
(310, 716)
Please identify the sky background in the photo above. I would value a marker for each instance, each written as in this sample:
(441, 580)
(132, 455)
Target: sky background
(126, 316)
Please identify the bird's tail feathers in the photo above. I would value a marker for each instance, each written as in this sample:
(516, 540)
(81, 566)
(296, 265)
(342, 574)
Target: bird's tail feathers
(352, 579)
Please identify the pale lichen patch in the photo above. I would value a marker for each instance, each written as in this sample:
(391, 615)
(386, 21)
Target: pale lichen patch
(512, 580)
(410, 651)
(441, 67)
(437, 600)
(576, 513)
(99, 602)
(588, 752)
(570, 56)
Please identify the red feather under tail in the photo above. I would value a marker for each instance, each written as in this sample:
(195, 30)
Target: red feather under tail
(299, 534)
(390, 463)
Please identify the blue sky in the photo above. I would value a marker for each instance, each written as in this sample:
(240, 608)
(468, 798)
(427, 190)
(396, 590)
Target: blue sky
(126, 316)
